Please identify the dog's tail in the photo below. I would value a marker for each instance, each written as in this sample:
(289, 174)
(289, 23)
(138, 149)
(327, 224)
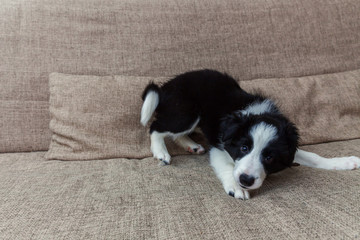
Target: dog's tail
(151, 98)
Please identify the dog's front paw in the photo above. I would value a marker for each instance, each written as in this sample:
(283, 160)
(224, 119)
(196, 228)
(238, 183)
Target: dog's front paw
(233, 189)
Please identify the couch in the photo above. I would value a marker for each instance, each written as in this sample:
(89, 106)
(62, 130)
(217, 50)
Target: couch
(305, 54)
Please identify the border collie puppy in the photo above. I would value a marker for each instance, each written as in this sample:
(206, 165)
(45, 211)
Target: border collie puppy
(249, 138)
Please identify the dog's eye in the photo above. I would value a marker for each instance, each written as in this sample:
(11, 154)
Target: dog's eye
(268, 159)
(244, 149)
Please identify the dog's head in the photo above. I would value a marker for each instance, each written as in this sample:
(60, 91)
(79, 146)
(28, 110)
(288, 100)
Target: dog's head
(259, 145)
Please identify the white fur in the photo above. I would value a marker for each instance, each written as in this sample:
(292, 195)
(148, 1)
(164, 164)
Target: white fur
(190, 130)
(258, 108)
(223, 166)
(313, 160)
(251, 164)
(189, 145)
(229, 172)
(150, 103)
(158, 146)
(186, 142)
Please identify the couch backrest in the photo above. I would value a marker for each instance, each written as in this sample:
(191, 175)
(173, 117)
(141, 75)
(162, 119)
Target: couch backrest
(248, 39)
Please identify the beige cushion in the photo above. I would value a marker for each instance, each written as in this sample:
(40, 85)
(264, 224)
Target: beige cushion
(324, 107)
(249, 39)
(96, 117)
(129, 199)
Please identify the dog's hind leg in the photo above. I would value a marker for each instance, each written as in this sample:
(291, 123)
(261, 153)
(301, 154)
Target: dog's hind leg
(184, 141)
(169, 125)
(189, 145)
(313, 160)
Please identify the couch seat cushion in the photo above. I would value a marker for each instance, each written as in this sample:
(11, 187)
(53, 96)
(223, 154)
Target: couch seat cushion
(131, 199)
(98, 117)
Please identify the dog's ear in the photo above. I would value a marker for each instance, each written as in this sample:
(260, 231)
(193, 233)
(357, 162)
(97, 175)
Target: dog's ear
(229, 125)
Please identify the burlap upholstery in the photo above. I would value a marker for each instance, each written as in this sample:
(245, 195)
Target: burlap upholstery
(324, 107)
(249, 39)
(99, 117)
(129, 199)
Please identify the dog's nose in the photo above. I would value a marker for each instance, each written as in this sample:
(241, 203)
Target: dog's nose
(246, 180)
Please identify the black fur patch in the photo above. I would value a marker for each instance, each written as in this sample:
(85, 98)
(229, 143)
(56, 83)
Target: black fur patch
(217, 99)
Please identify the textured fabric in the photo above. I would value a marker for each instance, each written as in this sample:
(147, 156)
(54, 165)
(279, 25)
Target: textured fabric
(130, 199)
(98, 117)
(249, 39)
(24, 125)
(324, 107)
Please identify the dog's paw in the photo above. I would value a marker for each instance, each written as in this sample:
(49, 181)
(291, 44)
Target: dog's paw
(233, 189)
(197, 149)
(189, 145)
(163, 157)
(344, 163)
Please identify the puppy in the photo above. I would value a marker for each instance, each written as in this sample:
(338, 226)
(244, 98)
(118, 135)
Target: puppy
(249, 138)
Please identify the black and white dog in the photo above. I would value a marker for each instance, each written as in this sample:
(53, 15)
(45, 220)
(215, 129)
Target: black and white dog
(248, 135)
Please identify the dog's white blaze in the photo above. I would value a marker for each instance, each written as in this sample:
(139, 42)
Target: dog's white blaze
(150, 103)
(258, 108)
(251, 164)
